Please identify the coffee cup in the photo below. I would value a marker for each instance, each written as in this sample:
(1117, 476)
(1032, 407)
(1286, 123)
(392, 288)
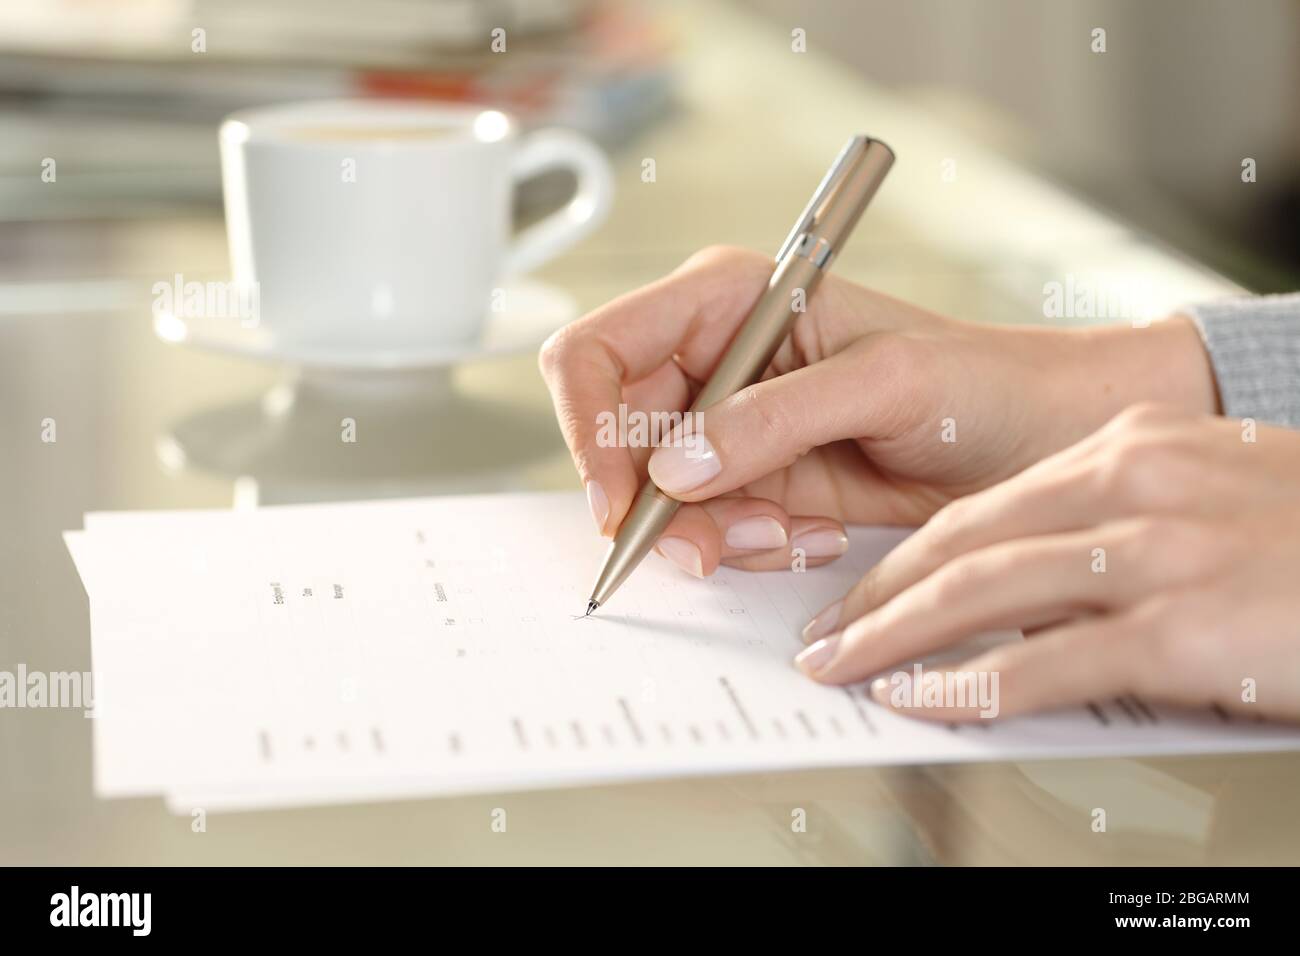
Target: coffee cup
(381, 225)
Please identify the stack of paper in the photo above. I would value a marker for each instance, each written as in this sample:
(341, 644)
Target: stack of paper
(384, 649)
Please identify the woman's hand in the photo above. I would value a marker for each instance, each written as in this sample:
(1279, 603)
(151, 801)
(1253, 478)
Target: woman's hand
(1158, 557)
(873, 411)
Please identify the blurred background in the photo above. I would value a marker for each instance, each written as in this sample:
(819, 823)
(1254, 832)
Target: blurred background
(1155, 129)
(127, 94)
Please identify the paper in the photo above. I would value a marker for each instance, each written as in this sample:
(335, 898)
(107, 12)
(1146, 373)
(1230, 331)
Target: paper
(361, 651)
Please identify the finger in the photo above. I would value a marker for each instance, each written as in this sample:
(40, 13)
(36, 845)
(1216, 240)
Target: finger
(689, 316)
(748, 525)
(692, 541)
(1025, 584)
(696, 538)
(814, 541)
(1054, 496)
(1021, 584)
(1099, 658)
(770, 425)
(652, 398)
(1069, 666)
(742, 532)
(664, 388)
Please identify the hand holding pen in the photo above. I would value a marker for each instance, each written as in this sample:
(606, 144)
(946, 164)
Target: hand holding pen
(801, 263)
(875, 411)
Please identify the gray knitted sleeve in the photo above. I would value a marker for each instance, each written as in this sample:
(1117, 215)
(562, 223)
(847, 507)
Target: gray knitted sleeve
(1254, 346)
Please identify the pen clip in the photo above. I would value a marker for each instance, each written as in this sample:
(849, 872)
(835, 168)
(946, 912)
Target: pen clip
(848, 155)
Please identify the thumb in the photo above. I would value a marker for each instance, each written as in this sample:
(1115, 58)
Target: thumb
(768, 426)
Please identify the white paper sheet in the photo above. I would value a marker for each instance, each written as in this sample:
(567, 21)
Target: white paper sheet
(358, 651)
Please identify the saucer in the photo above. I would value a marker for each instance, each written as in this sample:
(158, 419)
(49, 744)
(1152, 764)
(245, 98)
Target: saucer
(532, 311)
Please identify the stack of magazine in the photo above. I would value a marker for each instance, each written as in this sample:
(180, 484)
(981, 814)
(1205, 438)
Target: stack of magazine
(130, 94)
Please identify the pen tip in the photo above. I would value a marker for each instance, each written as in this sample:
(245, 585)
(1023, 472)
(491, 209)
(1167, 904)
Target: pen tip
(591, 606)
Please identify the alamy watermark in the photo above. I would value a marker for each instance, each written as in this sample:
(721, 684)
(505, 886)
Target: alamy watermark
(943, 689)
(1100, 297)
(638, 429)
(76, 908)
(208, 300)
(21, 689)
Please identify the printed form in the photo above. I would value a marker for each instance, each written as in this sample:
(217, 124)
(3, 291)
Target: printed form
(360, 651)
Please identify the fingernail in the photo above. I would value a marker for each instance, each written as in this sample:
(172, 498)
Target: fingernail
(683, 554)
(684, 465)
(598, 502)
(756, 534)
(812, 660)
(822, 543)
(823, 623)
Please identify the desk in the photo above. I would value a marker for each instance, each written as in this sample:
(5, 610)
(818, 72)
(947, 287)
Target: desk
(145, 425)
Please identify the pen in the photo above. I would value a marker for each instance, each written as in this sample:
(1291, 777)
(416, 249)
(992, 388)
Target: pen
(803, 259)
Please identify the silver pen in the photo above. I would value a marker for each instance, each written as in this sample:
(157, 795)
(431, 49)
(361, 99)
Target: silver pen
(801, 262)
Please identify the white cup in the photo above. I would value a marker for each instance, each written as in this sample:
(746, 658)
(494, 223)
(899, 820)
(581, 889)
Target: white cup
(387, 225)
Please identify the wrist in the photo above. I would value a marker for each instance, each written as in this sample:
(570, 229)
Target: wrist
(1085, 377)
(1163, 362)
(1198, 388)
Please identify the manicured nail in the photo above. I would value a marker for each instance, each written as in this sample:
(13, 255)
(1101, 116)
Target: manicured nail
(813, 659)
(758, 533)
(823, 623)
(598, 502)
(683, 554)
(822, 543)
(684, 465)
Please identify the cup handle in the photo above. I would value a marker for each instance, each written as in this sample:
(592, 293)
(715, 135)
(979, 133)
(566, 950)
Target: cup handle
(541, 152)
